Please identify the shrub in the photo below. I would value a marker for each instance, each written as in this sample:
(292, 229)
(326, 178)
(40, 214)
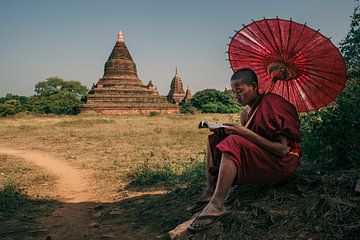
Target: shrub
(187, 108)
(11, 198)
(153, 114)
(6, 109)
(332, 134)
(214, 101)
(12, 104)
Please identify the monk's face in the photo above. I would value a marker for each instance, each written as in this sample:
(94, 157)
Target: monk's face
(245, 93)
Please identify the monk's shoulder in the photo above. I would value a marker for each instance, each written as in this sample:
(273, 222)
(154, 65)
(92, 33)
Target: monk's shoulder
(277, 101)
(272, 97)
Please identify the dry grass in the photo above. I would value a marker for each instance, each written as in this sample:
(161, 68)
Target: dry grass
(314, 205)
(168, 152)
(28, 178)
(119, 148)
(20, 180)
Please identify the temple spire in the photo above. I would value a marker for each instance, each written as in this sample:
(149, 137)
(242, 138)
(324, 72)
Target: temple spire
(187, 96)
(176, 93)
(120, 91)
(120, 37)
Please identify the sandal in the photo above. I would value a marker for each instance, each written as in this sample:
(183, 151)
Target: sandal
(212, 219)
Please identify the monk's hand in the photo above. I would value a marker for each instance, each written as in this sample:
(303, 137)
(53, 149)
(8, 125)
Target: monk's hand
(219, 131)
(236, 129)
(230, 124)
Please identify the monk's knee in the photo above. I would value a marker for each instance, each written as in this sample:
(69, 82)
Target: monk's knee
(240, 141)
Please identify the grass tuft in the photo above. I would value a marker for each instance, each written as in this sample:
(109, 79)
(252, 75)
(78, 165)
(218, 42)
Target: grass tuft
(169, 176)
(11, 198)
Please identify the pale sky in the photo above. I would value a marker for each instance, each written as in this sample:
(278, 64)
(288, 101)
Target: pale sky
(73, 39)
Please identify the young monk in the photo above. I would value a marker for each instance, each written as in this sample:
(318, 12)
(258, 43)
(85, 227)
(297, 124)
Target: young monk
(265, 152)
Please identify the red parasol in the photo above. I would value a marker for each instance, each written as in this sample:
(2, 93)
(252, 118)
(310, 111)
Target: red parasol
(291, 60)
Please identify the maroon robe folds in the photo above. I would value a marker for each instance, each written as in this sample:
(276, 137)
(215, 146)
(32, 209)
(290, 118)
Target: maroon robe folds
(275, 117)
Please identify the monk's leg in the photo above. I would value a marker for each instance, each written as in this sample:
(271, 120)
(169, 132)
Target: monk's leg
(209, 185)
(215, 207)
(209, 188)
(213, 159)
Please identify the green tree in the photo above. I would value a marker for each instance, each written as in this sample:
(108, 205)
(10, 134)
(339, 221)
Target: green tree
(55, 85)
(350, 46)
(6, 109)
(58, 96)
(214, 101)
(12, 104)
(332, 134)
(187, 108)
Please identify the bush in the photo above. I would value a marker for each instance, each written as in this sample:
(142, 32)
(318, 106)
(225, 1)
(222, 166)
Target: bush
(52, 96)
(6, 109)
(153, 114)
(12, 104)
(332, 133)
(11, 198)
(187, 108)
(214, 101)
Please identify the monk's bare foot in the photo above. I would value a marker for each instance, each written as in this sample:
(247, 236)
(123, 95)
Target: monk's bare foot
(203, 200)
(208, 215)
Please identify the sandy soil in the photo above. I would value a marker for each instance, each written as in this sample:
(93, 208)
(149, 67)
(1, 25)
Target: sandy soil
(79, 211)
(73, 185)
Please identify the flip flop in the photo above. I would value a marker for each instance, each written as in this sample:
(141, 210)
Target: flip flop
(198, 206)
(205, 217)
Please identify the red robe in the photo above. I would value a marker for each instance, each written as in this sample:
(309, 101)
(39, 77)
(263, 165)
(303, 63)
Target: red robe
(275, 117)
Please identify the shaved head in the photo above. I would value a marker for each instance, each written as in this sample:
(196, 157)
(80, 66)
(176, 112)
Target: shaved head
(247, 75)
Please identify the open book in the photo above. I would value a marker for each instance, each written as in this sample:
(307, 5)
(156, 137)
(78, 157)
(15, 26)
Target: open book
(211, 125)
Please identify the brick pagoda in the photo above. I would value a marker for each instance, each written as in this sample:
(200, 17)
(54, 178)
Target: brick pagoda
(176, 93)
(120, 91)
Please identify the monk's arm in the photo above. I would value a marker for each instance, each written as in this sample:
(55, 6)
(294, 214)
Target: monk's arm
(279, 148)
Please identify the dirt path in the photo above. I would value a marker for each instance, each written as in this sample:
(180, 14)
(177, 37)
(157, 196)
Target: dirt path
(73, 185)
(73, 193)
(78, 212)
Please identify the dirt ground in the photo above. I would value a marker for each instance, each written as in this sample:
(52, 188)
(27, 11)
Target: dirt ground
(93, 160)
(72, 209)
(92, 177)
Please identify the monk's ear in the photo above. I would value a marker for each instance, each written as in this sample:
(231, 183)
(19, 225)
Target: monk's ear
(255, 86)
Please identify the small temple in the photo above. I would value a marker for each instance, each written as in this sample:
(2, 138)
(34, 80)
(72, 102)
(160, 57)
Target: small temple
(176, 94)
(120, 91)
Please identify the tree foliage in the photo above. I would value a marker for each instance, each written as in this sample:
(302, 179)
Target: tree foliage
(58, 96)
(187, 108)
(12, 104)
(350, 46)
(56, 85)
(214, 101)
(332, 133)
(54, 95)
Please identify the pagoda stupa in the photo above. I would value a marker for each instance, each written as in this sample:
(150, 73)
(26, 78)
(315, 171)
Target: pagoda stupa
(187, 96)
(120, 91)
(176, 93)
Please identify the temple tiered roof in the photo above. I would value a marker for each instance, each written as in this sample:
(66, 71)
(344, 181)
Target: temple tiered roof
(120, 91)
(176, 93)
(187, 95)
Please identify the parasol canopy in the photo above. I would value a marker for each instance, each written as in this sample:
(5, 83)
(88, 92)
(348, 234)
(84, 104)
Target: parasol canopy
(291, 60)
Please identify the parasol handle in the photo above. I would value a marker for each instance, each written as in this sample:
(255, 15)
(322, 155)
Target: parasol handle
(269, 89)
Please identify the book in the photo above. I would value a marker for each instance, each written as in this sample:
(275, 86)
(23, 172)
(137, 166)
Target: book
(210, 125)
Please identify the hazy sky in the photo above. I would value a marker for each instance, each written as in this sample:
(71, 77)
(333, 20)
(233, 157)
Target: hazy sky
(73, 39)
